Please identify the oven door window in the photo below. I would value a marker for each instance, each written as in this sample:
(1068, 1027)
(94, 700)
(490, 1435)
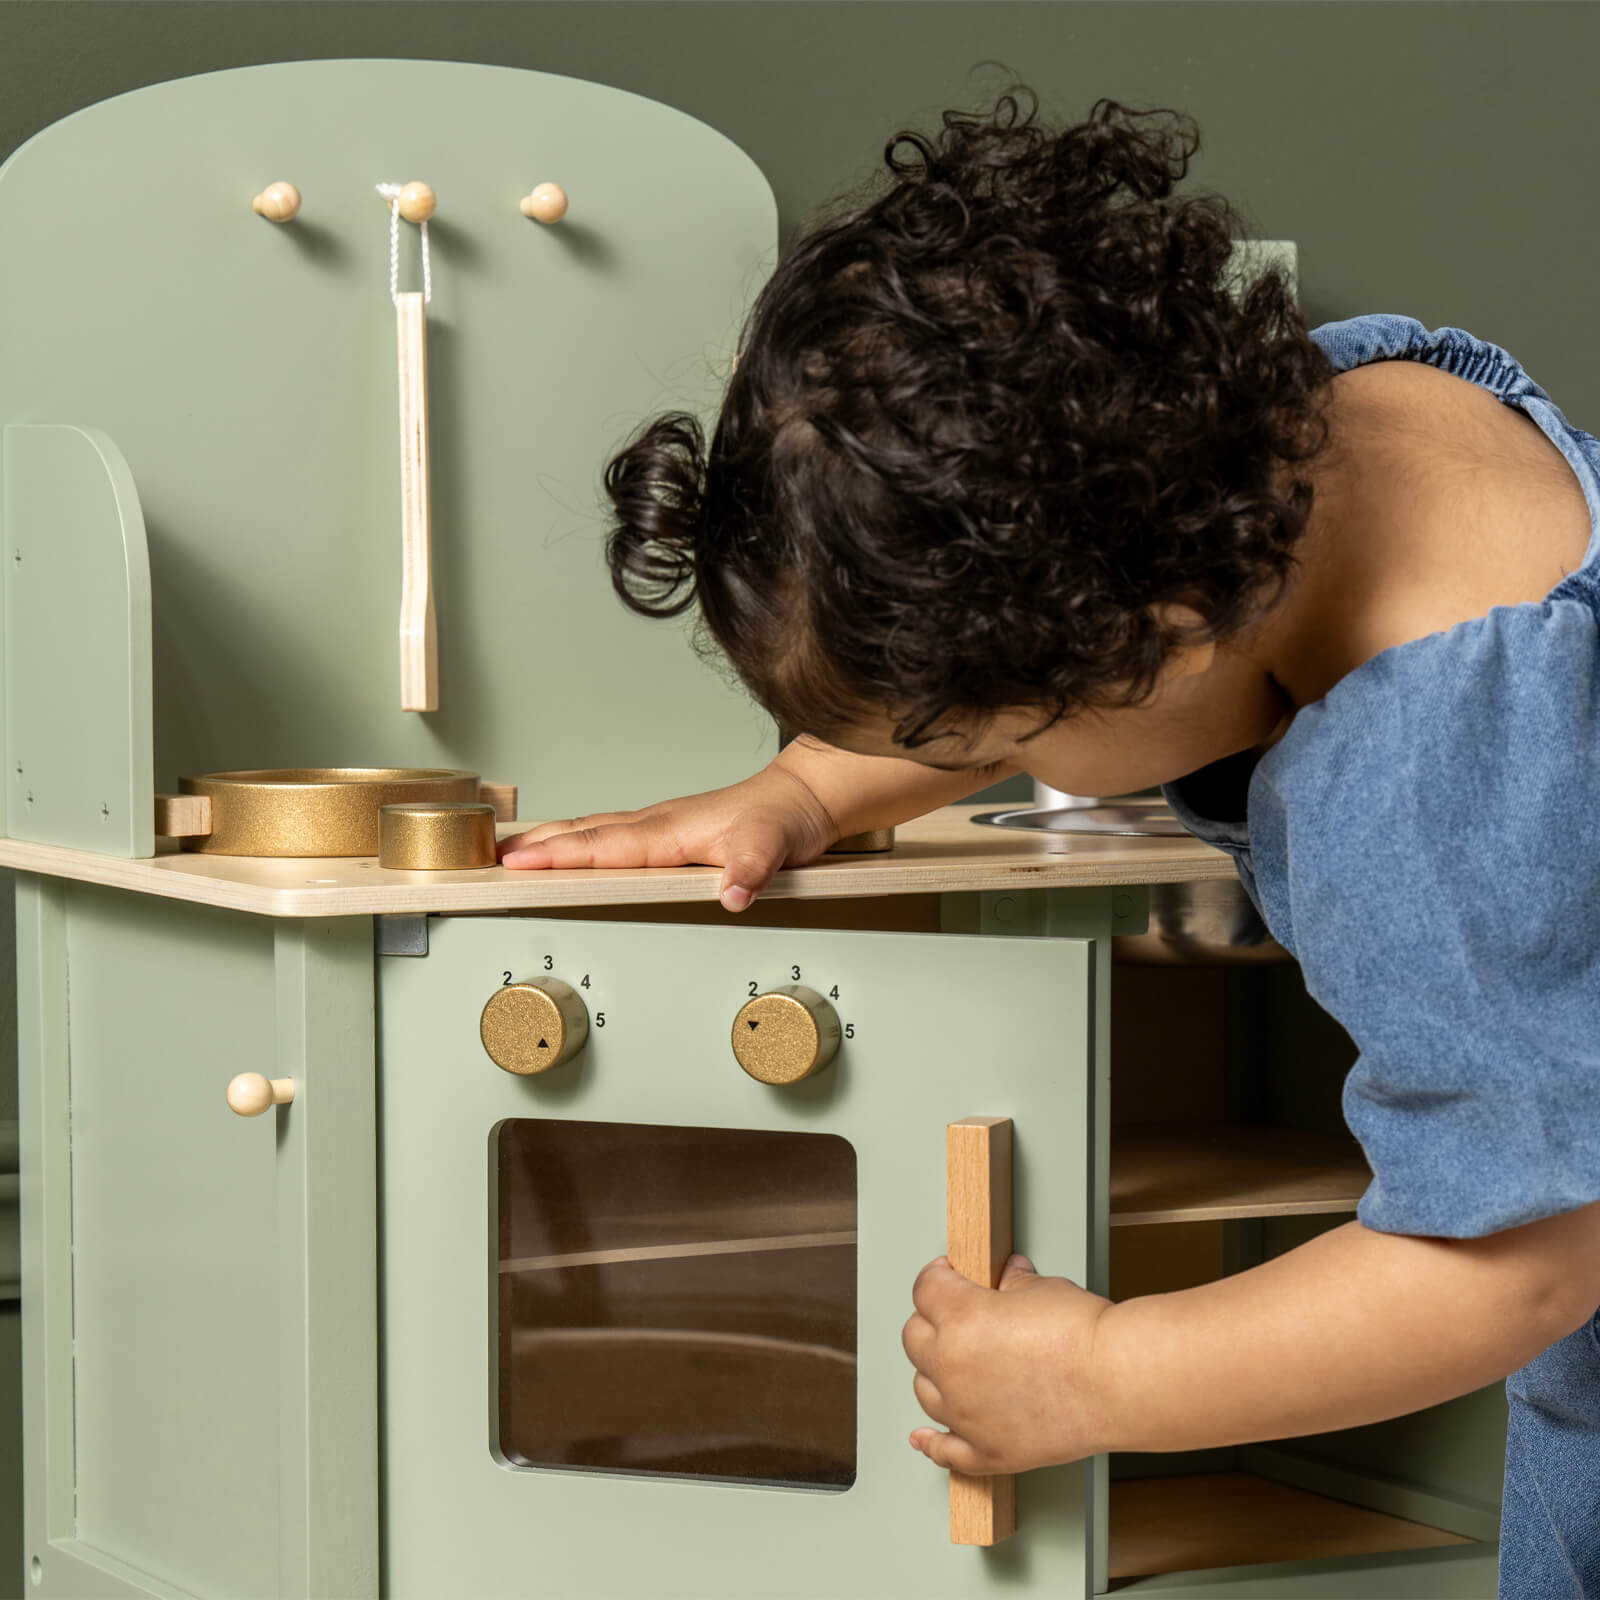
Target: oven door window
(676, 1301)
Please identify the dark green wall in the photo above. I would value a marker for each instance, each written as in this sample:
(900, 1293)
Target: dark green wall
(1431, 158)
(1434, 158)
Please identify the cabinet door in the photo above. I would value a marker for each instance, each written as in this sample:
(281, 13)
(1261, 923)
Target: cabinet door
(199, 1289)
(642, 1312)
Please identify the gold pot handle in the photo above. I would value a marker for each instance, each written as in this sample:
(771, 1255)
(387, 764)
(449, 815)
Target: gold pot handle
(502, 796)
(183, 816)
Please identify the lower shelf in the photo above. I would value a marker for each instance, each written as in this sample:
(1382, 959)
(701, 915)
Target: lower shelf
(1231, 1519)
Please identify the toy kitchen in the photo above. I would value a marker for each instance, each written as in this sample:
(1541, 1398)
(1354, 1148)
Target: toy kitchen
(394, 1224)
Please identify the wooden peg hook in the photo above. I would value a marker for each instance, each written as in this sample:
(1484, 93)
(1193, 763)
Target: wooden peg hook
(547, 203)
(417, 202)
(278, 202)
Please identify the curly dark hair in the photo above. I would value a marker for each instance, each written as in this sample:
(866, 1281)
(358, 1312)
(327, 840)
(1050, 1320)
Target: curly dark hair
(979, 426)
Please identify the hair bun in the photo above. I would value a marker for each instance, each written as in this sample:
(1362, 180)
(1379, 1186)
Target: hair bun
(656, 487)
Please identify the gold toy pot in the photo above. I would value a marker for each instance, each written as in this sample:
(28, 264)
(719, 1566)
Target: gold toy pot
(300, 811)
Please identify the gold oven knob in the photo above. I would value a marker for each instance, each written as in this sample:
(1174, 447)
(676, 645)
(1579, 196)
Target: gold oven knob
(785, 1034)
(531, 1027)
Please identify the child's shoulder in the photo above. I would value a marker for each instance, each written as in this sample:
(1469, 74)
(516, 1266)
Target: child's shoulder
(1472, 503)
(1454, 487)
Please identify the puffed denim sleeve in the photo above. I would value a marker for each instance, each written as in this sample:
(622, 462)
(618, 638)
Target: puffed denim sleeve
(1426, 840)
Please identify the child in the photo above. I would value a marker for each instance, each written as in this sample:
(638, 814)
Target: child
(1007, 479)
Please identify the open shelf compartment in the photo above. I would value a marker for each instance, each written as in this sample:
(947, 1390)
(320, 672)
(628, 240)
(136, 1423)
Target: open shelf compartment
(1188, 1172)
(1225, 1519)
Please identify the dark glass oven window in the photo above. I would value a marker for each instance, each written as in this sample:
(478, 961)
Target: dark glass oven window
(676, 1301)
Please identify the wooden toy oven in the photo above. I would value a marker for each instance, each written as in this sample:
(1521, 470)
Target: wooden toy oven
(628, 1326)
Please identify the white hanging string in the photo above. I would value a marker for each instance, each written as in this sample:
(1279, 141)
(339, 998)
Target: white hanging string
(391, 193)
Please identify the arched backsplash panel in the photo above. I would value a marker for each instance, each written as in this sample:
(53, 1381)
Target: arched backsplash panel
(246, 369)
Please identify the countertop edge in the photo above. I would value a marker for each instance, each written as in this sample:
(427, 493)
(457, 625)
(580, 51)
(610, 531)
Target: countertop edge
(930, 858)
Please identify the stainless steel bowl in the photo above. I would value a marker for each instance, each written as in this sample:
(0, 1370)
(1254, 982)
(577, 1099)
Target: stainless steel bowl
(1211, 923)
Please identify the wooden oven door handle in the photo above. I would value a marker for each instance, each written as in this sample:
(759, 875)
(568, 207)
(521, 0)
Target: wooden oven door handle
(983, 1511)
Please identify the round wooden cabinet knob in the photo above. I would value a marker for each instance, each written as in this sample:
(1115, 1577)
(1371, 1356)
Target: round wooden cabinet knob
(278, 202)
(531, 1027)
(250, 1094)
(417, 202)
(785, 1034)
(547, 203)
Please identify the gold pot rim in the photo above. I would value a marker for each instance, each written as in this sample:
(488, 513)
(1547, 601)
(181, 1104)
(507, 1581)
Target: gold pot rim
(330, 777)
(431, 808)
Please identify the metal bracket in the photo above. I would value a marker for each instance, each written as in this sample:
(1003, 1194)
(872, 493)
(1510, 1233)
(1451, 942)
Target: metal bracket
(402, 935)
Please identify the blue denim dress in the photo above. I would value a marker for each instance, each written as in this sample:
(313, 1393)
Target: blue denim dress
(1426, 840)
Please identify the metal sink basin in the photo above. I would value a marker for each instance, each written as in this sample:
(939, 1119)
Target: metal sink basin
(1136, 817)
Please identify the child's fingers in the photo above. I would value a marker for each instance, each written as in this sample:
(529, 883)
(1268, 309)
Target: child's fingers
(1018, 1270)
(623, 844)
(550, 830)
(916, 1339)
(750, 868)
(937, 1285)
(929, 1398)
(947, 1450)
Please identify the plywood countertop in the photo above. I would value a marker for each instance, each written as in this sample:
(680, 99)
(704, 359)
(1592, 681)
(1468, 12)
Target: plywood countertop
(941, 853)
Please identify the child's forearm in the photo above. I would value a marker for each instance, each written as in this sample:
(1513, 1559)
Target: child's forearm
(865, 792)
(1353, 1327)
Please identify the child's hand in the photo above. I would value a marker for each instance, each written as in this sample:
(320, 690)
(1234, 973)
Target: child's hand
(750, 829)
(1007, 1371)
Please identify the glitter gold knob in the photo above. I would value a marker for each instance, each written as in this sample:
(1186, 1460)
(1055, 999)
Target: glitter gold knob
(785, 1034)
(531, 1027)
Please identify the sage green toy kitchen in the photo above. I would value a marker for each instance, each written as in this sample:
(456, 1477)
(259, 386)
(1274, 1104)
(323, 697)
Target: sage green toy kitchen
(543, 1272)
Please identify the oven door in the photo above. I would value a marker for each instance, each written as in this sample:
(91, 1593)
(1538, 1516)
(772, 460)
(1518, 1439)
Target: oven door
(641, 1312)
